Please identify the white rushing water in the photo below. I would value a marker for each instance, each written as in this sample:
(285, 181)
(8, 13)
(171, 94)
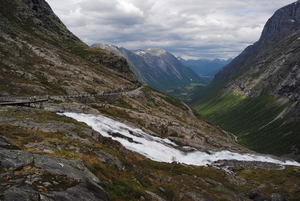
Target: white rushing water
(162, 149)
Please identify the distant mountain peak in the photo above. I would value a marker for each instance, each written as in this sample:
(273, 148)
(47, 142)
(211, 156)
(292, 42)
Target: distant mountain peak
(284, 22)
(151, 51)
(156, 67)
(140, 52)
(180, 58)
(104, 46)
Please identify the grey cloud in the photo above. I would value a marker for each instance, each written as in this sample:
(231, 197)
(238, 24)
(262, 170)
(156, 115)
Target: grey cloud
(193, 28)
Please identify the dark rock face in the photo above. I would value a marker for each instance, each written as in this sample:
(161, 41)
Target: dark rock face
(55, 178)
(274, 57)
(283, 23)
(254, 194)
(119, 64)
(41, 13)
(165, 65)
(271, 65)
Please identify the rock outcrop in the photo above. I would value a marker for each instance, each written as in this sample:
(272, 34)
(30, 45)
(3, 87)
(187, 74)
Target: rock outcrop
(46, 178)
(41, 14)
(284, 23)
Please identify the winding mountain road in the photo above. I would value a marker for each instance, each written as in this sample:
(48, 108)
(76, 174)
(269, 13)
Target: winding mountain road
(25, 100)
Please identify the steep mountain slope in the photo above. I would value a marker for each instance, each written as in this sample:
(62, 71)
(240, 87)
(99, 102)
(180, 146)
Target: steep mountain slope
(205, 67)
(40, 56)
(159, 69)
(47, 156)
(136, 63)
(166, 68)
(256, 96)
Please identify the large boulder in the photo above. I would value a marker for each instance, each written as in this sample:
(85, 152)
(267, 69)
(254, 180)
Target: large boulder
(25, 175)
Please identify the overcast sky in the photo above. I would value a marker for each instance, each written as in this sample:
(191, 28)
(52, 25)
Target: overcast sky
(188, 28)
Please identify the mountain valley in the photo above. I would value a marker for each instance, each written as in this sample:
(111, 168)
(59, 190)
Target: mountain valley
(73, 146)
(205, 67)
(256, 96)
(160, 70)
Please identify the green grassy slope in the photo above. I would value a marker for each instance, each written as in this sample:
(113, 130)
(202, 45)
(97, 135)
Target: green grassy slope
(256, 122)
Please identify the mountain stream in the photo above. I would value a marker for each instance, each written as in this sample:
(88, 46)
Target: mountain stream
(162, 149)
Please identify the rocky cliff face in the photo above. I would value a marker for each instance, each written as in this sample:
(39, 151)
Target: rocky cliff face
(137, 64)
(166, 68)
(282, 24)
(40, 13)
(267, 71)
(161, 62)
(39, 55)
(271, 64)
